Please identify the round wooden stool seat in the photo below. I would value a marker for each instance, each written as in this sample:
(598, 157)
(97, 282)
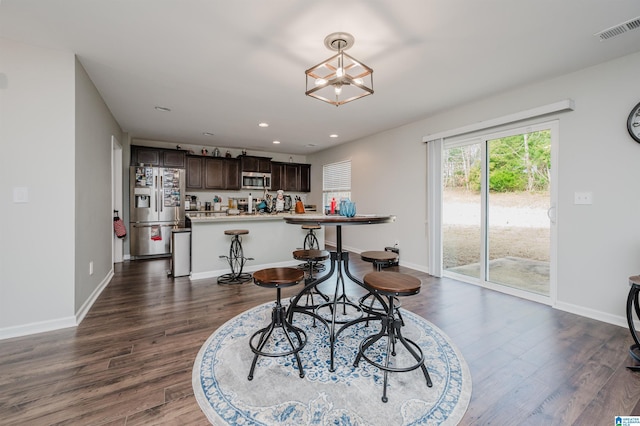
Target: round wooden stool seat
(311, 226)
(311, 255)
(392, 283)
(236, 232)
(379, 256)
(278, 277)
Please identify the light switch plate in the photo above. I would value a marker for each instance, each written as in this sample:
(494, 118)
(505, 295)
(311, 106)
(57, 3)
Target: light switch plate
(21, 194)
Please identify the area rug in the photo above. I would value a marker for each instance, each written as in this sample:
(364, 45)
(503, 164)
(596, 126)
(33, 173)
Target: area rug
(349, 396)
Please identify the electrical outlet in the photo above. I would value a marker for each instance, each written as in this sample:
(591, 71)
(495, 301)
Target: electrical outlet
(91, 268)
(583, 198)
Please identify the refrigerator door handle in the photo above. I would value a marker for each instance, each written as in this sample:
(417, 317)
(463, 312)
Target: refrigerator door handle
(161, 197)
(155, 183)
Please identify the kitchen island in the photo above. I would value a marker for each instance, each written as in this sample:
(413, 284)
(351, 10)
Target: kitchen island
(270, 242)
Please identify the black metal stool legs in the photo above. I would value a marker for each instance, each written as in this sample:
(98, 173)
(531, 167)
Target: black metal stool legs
(236, 261)
(278, 320)
(392, 330)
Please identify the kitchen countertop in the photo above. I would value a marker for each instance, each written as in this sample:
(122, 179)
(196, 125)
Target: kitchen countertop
(209, 216)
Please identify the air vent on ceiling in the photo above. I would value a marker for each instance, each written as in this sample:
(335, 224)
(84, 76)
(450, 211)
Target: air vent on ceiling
(619, 29)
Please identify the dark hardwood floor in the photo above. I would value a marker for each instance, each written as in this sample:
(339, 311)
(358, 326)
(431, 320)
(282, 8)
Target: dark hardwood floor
(130, 360)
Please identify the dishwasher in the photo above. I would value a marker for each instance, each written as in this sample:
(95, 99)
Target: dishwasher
(180, 252)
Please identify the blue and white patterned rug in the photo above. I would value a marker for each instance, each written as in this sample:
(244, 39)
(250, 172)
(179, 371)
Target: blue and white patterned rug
(349, 396)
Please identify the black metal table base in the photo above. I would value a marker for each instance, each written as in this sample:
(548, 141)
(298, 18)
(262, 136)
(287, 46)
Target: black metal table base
(339, 263)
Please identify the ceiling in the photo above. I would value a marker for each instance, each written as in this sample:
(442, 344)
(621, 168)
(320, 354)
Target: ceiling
(224, 66)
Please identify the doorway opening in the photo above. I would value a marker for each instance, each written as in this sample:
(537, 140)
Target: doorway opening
(117, 245)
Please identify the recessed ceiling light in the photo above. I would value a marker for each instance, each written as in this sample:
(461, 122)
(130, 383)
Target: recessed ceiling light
(207, 133)
(333, 136)
(276, 142)
(163, 109)
(263, 124)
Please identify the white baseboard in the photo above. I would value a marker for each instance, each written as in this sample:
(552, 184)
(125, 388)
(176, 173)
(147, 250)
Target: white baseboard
(58, 323)
(84, 309)
(593, 314)
(37, 327)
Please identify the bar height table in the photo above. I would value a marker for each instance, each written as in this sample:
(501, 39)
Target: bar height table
(339, 262)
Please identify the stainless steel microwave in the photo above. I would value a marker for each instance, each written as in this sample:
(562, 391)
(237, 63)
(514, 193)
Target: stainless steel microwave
(255, 180)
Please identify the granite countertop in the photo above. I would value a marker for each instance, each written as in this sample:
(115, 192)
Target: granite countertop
(209, 216)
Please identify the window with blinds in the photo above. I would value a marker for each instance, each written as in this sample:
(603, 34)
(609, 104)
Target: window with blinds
(336, 182)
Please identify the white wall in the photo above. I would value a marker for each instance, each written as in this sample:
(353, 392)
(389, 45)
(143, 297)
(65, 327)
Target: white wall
(598, 245)
(37, 139)
(94, 215)
(56, 135)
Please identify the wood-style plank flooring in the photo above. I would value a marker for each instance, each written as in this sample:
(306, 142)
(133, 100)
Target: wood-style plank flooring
(130, 361)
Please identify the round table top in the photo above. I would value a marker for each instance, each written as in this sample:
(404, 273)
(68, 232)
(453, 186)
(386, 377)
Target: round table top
(359, 219)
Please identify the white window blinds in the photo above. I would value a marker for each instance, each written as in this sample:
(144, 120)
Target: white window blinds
(336, 176)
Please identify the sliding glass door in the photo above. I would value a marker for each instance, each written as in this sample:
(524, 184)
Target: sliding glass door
(497, 209)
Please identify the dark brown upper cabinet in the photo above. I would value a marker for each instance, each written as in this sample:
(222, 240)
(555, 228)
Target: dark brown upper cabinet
(293, 177)
(158, 157)
(249, 163)
(213, 173)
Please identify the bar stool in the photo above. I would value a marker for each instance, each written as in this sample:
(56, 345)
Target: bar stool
(380, 259)
(277, 278)
(236, 259)
(311, 243)
(310, 240)
(311, 257)
(391, 285)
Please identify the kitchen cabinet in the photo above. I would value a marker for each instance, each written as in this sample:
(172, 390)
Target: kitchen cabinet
(293, 177)
(277, 172)
(232, 167)
(251, 163)
(305, 177)
(213, 173)
(194, 172)
(158, 157)
(174, 158)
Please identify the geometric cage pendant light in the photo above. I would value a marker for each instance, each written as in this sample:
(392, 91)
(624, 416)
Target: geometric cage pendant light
(341, 78)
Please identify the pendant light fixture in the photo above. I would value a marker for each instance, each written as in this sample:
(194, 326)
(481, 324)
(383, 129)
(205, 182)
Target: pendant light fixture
(341, 78)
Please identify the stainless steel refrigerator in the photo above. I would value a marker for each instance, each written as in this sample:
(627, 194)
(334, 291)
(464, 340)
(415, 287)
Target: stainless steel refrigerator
(157, 207)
